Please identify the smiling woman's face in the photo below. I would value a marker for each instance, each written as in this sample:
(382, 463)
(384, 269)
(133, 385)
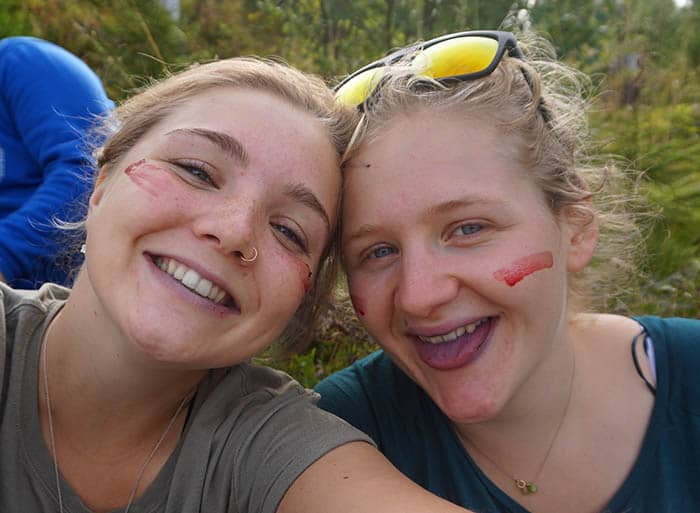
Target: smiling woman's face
(229, 171)
(455, 263)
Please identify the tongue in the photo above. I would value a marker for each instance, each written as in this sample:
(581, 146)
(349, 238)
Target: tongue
(456, 353)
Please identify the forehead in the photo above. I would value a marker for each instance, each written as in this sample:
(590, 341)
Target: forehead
(257, 118)
(425, 157)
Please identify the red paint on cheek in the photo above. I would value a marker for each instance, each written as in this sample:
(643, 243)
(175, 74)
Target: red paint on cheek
(152, 179)
(357, 305)
(524, 266)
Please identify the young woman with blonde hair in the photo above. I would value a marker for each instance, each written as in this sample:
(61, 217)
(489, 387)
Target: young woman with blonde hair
(480, 243)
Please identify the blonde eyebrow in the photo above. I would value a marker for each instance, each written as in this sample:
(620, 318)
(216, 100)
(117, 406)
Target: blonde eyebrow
(447, 206)
(300, 193)
(225, 142)
(362, 231)
(434, 210)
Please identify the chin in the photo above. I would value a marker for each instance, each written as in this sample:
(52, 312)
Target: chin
(468, 407)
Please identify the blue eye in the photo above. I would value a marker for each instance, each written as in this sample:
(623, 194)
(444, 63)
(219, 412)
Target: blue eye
(196, 171)
(291, 235)
(381, 252)
(199, 174)
(468, 229)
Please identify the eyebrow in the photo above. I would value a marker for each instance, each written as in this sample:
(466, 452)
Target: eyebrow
(302, 194)
(227, 143)
(447, 206)
(435, 210)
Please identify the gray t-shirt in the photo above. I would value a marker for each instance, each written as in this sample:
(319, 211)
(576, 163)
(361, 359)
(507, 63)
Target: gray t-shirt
(251, 431)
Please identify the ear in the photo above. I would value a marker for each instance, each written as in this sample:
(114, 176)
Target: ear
(98, 190)
(582, 233)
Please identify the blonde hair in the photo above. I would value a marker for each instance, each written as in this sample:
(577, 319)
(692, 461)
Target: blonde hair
(136, 116)
(543, 104)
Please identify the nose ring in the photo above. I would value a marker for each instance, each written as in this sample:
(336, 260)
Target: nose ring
(251, 259)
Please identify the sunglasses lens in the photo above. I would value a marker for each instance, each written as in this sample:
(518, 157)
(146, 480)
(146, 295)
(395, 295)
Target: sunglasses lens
(454, 57)
(356, 90)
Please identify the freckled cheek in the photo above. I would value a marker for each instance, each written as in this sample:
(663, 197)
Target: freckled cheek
(370, 298)
(293, 271)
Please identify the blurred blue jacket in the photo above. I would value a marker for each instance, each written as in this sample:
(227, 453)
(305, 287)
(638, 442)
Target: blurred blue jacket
(48, 100)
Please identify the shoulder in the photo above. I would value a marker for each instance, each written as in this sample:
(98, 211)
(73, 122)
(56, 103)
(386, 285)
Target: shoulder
(246, 387)
(21, 47)
(676, 343)
(28, 51)
(22, 310)
(25, 62)
(253, 431)
(373, 395)
(672, 329)
(248, 398)
(361, 381)
(14, 301)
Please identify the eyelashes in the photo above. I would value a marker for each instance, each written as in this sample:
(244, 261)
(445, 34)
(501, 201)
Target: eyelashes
(381, 252)
(468, 229)
(195, 171)
(291, 236)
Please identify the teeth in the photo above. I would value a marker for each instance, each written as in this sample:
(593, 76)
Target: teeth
(454, 334)
(191, 279)
(180, 271)
(203, 288)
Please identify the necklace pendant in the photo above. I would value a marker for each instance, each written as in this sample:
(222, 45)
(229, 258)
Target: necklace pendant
(525, 487)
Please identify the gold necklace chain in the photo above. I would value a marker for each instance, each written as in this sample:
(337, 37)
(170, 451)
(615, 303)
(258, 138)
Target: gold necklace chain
(52, 437)
(525, 486)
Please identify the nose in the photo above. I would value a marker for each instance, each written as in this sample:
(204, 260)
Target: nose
(425, 284)
(230, 227)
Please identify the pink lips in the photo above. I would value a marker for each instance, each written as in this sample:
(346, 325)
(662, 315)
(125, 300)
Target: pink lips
(457, 353)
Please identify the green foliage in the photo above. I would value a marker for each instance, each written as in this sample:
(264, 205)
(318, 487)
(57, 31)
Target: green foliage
(14, 20)
(125, 42)
(665, 141)
(340, 341)
(674, 295)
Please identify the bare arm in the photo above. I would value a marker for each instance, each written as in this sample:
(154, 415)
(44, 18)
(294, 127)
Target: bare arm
(357, 478)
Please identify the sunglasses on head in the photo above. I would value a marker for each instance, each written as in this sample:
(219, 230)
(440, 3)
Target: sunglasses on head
(459, 56)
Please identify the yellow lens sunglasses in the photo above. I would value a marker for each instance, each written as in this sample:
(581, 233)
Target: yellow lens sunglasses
(458, 56)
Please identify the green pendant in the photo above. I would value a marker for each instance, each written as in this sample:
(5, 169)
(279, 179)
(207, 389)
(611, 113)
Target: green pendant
(525, 486)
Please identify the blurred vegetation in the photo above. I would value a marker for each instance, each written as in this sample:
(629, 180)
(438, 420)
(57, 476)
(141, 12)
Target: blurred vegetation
(645, 55)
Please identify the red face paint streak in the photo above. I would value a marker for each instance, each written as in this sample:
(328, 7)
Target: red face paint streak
(524, 267)
(147, 176)
(356, 304)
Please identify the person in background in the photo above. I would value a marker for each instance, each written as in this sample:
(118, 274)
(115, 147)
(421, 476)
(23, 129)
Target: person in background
(206, 239)
(481, 241)
(48, 101)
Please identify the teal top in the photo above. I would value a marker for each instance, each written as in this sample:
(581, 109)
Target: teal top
(377, 397)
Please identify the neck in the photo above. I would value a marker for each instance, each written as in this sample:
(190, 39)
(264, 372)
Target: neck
(532, 415)
(101, 386)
